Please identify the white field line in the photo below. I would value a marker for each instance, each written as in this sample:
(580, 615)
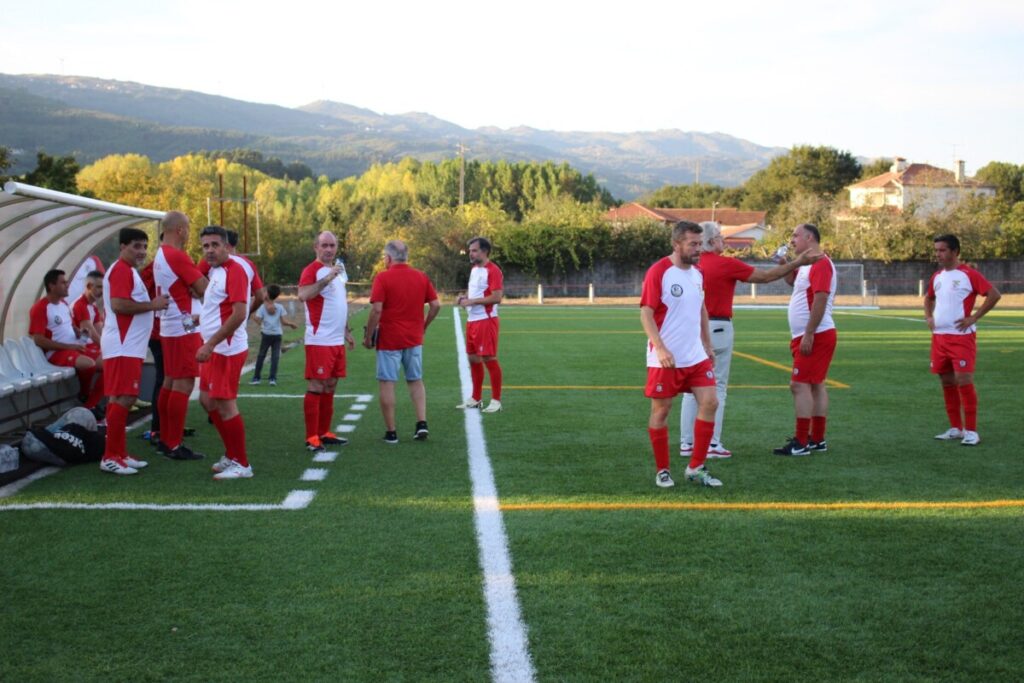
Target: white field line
(359, 406)
(296, 500)
(355, 397)
(885, 317)
(344, 429)
(325, 456)
(351, 417)
(15, 486)
(314, 474)
(510, 657)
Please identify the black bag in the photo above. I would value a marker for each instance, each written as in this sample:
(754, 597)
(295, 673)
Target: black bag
(72, 443)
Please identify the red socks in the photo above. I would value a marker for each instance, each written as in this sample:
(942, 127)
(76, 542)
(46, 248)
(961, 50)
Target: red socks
(702, 433)
(311, 411)
(117, 422)
(659, 442)
(232, 433)
(818, 428)
(96, 393)
(161, 407)
(494, 370)
(326, 413)
(173, 429)
(803, 429)
(969, 400)
(951, 396)
(476, 371)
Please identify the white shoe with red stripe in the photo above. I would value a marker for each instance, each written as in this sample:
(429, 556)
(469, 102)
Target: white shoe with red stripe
(116, 467)
(717, 450)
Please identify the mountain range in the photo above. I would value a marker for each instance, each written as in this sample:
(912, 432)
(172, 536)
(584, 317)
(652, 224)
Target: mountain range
(91, 118)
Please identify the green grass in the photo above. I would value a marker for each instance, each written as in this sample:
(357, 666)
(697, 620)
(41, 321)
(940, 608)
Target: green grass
(379, 579)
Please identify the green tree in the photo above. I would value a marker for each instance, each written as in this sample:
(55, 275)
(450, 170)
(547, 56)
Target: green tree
(693, 196)
(876, 167)
(815, 170)
(1007, 178)
(54, 173)
(5, 163)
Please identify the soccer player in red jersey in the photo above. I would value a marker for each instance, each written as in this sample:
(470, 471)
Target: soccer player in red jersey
(129, 313)
(396, 300)
(949, 312)
(679, 353)
(813, 343)
(224, 350)
(322, 290)
(721, 273)
(175, 275)
(51, 328)
(485, 291)
(87, 313)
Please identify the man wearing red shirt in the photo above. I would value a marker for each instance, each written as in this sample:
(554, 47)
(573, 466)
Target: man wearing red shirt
(721, 273)
(87, 313)
(949, 312)
(396, 301)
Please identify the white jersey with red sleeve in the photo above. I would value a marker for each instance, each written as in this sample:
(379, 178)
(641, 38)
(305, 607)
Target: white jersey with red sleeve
(83, 310)
(327, 312)
(954, 292)
(125, 335)
(255, 283)
(820, 276)
(174, 273)
(484, 281)
(53, 321)
(228, 285)
(676, 295)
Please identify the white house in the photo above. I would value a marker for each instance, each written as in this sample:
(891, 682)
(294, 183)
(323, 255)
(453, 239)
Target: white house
(922, 188)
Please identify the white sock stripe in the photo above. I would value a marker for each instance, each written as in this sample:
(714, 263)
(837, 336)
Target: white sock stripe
(510, 657)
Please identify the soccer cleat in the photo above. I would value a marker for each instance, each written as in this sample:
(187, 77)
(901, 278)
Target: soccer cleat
(717, 450)
(181, 452)
(685, 449)
(254, 381)
(116, 467)
(970, 438)
(817, 446)
(470, 403)
(492, 407)
(133, 462)
(701, 476)
(421, 432)
(391, 437)
(234, 471)
(664, 479)
(951, 434)
(272, 382)
(792, 447)
(331, 439)
(313, 445)
(221, 465)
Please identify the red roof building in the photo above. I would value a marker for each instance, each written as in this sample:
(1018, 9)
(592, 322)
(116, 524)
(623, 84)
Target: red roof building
(739, 228)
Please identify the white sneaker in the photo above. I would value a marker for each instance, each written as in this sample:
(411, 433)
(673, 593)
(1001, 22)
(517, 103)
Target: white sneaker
(950, 434)
(132, 462)
(235, 471)
(492, 407)
(685, 449)
(664, 479)
(470, 403)
(254, 381)
(221, 465)
(717, 450)
(115, 467)
(701, 476)
(970, 439)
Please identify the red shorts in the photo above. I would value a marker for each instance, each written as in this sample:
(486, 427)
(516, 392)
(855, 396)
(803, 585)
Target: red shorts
(953, 353)
(669, 382)
(121, 376)
(325, 362)
(180, 355)
(92, 350)
(813, 369)
(218, 376)
(66, 357)
(482, 337)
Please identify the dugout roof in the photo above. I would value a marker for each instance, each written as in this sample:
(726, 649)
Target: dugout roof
(42, 229)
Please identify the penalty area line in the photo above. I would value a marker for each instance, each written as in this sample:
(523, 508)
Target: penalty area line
(296, 500)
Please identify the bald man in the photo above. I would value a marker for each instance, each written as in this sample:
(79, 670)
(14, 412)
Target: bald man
(322, 291)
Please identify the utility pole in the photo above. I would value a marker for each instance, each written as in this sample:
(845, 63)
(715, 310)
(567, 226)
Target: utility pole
(462, 173)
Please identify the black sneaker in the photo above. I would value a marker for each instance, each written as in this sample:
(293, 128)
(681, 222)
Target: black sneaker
(182, 452)
(332, 439)
(313, 445)
(817, 446)
(793, 447)
(188, 432)
(421, 431)
(391, 437)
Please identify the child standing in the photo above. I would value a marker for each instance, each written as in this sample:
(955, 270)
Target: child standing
(272, 318)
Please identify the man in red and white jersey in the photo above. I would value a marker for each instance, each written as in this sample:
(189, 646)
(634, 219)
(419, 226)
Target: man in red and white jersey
(87, 313)
(322, 290)
(679, 353)
(129, 313)
(721, 273)
(485, 291)
(813, 343)
(50, 326)
(949, 312)
(224, 350)
(175, 275)
(256, 286)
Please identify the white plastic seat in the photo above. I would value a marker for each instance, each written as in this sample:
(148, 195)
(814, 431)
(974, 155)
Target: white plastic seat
(22, 365)
(38, 360)
(10, 375)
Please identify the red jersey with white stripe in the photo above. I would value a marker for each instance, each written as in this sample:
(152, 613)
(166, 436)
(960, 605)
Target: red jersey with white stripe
(125, 335)
(228, 285)
(676, 295)
(954, 292)
(173, 274)
(721, 273)
(484, 281)
(255, 282)
(820, 276)
(53, 321)
(82, 310)
(327, 312)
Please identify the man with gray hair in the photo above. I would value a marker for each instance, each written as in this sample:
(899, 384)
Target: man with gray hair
(721, 273)
(396, 326)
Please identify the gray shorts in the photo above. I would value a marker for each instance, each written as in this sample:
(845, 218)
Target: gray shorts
(410, 359)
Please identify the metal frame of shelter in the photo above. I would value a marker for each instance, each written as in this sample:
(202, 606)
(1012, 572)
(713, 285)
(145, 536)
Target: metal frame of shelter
(42, 229)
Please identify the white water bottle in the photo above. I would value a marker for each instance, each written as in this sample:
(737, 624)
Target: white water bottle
(780, 254)
(343, 274)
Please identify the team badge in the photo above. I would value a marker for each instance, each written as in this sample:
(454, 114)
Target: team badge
(57, 320)
(676, 290)
(709, 374)
(963, 363)
(657, 388)
(796, 371)
(320, 370)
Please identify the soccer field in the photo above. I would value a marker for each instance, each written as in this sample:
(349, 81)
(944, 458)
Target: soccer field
(891, 557)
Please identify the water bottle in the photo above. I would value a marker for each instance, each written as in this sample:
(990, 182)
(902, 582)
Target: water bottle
(188, 322)
(780, 254)
(343, 275)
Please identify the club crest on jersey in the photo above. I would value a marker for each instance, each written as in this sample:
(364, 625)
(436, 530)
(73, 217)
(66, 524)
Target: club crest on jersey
(658, 388)
(676, 290)
(963, 363)
(57, 320)
(709, 374)
(796, 371)
(320, 370)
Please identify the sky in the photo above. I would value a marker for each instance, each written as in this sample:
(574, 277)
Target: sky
(930, 81)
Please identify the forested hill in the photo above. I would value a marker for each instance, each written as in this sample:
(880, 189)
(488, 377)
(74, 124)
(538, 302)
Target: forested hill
(91, 117)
